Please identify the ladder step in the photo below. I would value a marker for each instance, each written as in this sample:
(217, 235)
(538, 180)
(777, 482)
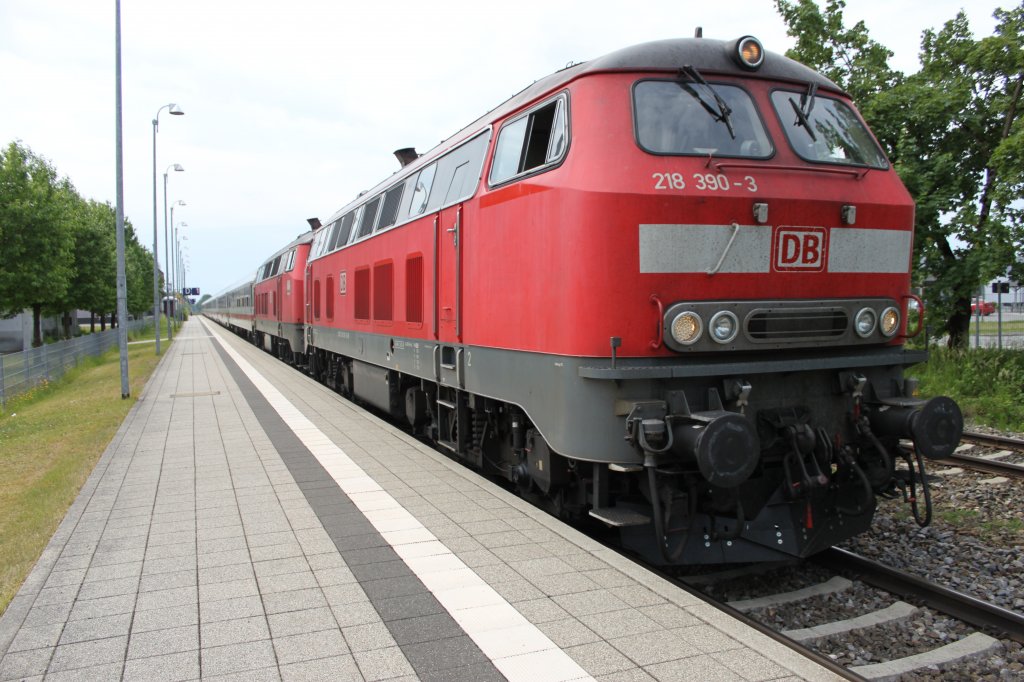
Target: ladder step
(445, 403)
(625, 468)
(618, 518)
(449, 444)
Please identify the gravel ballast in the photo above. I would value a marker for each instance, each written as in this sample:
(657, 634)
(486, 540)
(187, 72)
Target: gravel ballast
(975, 545)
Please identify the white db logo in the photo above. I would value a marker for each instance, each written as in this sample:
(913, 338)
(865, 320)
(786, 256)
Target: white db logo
(800, 249)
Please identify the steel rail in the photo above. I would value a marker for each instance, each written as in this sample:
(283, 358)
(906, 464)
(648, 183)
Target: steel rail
(803, 650)
(798, 647)
(996, 620)
(994, 441)
(989, 466)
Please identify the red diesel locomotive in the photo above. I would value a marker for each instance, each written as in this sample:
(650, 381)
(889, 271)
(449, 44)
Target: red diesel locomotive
(270, 308)
(279, 300)
(668, 288)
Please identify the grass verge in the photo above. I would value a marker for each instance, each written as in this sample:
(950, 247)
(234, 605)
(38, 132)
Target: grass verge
(50, 440)
(987, 383)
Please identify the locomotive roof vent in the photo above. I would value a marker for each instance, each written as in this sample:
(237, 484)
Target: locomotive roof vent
(748, 53)
(406, 155)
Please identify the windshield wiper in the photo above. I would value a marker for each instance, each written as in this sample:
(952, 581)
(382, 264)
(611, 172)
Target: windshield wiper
(690, 73)
(804, 110)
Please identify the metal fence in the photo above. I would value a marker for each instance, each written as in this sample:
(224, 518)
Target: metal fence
(20, 372)
(1003, 328)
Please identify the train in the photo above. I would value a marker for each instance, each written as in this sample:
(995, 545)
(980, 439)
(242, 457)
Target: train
(667, 290)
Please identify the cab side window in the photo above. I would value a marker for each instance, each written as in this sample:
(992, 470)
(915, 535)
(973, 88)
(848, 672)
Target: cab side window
(531, 142)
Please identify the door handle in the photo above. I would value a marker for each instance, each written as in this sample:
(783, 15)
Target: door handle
(454, 230)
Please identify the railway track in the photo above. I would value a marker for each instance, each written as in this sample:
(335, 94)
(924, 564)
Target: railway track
(1001, 622)
(994, 441)
(991, 463)
(822, 640)
(794, 644)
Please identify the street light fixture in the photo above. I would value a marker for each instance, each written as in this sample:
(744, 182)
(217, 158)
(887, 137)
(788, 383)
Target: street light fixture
(174, 110)
(177, 167)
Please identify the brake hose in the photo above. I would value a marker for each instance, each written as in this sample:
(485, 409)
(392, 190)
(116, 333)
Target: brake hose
(924, 489)
(869, 493)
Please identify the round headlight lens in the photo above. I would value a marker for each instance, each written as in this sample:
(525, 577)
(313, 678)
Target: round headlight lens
(864, 323)
(723, 326)
(749, 52)
(686, 327)
(889, 323)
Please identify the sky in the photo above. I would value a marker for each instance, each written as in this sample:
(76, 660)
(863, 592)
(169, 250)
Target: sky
(291, 109)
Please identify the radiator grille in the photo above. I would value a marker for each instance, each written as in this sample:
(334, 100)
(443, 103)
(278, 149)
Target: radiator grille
(796, 324)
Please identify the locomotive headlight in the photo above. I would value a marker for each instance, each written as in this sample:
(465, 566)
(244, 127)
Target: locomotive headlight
(889, 323)
(723, 326)
(864, 322)
(748, 53)
(686, 328)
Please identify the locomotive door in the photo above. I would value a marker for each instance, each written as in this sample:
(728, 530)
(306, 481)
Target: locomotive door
(277, 306)
(278, 302)
(308, 296)
(450, 230)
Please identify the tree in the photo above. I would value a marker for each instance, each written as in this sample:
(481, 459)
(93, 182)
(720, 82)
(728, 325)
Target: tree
(954, 133)
(93, 286)
(848, 57)
(138, 272)
(36, 239)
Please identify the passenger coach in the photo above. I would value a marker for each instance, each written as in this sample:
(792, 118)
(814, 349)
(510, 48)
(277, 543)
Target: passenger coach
(233, 308)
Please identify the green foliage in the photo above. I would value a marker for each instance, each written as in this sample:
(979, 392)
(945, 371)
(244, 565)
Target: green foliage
(36, 237)
(954, 133)
(987, 383)
(846, 56)
(93, 286)
(139, 273)
(57, 250)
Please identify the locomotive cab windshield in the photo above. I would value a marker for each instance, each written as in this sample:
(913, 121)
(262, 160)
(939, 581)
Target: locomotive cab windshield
(827, 131)
(675, 120)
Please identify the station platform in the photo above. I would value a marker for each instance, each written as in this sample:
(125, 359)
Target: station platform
(247, 523)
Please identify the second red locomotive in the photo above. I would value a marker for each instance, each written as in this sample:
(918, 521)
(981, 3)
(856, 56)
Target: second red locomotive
(668, 289)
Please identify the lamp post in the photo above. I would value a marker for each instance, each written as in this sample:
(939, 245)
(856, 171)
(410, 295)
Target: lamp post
(177, 167)
(177, 260)
(174, 255)
(122, 282)
(170, 267)
(184, 267)
(175, 110)
(173, 267)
